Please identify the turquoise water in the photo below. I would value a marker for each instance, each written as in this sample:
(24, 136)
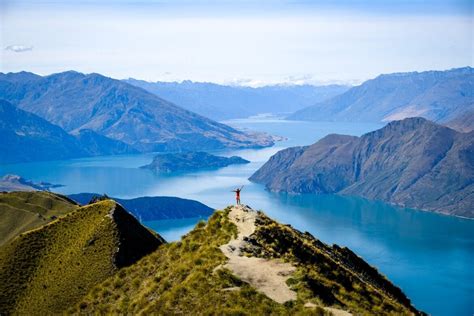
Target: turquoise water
(429, 256)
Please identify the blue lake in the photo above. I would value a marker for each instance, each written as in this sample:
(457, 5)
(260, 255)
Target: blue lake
(430, 256)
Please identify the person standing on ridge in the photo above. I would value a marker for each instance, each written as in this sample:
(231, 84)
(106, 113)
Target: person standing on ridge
(237, 194)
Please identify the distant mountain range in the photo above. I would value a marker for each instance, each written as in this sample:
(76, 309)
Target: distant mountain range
(439, 96)
(414, 163)
(221, 102)
(27, 137)
(119, 111)
(190, 161)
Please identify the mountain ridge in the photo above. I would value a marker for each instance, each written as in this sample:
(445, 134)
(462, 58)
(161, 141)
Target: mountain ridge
(436, 95)
(413, 163)
(120, 111)
(223, 102)
(98, 258)
(47, 269)
(28, 137)
(196, 273)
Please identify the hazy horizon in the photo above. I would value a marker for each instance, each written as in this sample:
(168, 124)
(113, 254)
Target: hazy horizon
(237, 43)
(234, 84)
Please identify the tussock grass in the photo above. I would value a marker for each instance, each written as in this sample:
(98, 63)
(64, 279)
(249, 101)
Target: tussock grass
(186, 277)
(23, 211)
(48, 269)
(328, 276)
(182, 278)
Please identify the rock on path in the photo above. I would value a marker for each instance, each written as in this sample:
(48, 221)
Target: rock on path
(267, 276)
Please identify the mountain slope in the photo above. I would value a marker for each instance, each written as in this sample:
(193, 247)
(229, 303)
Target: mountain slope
(153, 208)
(96, 145)
(45, 271)
(196, 274)
(463, 122)
(413, 163)
(23, 211)
(221, 102)
(120, 111)
(436, 95)
(27, 137)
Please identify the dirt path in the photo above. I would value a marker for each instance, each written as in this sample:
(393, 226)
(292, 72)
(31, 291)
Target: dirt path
(266, 276)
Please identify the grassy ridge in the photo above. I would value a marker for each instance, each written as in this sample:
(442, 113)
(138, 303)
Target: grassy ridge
(328, 276)
(98, 259)
(186, 277)
(22, 211)
(48, 269)
(181, 278)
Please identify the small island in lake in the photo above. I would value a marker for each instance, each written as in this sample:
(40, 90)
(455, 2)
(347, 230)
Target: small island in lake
(191, 161)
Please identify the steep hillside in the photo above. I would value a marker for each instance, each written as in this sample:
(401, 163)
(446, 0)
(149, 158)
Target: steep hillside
(190, 161)
(23, 211)
(47, 270)
(436, 95)
(208, 271)
(153, 208)
(27, 137)
(413, 163)
(120, 111)
(221, 102)
(463, 122)
(96, 145)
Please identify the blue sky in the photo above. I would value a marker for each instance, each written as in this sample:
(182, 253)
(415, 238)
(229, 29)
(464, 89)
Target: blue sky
(243, 42)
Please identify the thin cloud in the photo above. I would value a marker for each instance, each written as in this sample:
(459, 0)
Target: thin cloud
(19, 48)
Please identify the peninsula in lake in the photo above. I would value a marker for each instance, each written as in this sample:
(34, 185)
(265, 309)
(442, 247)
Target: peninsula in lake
(191, 161)
(413, 163)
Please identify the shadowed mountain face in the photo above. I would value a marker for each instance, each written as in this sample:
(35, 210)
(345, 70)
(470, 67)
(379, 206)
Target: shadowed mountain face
(413, 163)
(436, 95)
(120, 111)
(227, 102)
(27, 137)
